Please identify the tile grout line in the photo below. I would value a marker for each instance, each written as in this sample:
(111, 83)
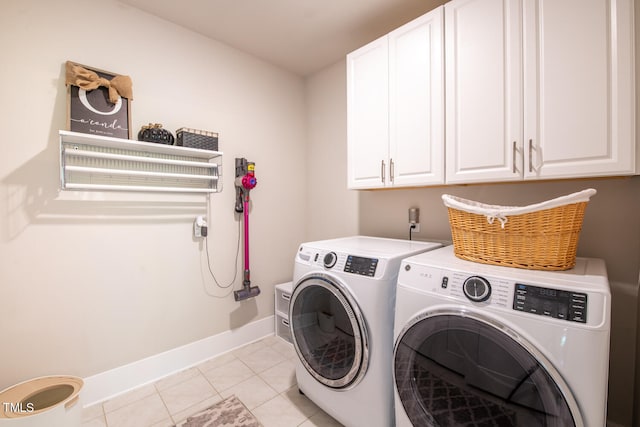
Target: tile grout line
(155, 385)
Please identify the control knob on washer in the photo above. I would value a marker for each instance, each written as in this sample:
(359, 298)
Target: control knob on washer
(476, 288)
(330, 259)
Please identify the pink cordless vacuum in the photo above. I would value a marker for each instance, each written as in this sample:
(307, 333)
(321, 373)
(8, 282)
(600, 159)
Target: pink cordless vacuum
(245, 182)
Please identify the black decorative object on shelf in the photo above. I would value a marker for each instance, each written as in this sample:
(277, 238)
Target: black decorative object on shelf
(154, 132)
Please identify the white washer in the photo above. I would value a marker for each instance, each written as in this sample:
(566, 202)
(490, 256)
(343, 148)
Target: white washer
(341, 318)
(477, 344)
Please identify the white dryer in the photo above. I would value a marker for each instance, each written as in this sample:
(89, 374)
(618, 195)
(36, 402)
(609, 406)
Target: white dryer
(341, 318)
(479, 345)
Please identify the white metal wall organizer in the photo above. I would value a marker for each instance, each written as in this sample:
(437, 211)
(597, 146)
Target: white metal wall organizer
(93, 162)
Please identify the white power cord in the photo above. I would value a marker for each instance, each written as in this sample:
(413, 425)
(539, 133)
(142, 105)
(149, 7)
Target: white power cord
(235, 274)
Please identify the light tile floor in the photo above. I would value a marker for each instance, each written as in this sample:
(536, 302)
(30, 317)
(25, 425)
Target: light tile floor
(260, 374)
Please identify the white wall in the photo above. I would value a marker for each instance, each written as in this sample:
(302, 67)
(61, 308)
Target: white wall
(92, 281)
(332, 210)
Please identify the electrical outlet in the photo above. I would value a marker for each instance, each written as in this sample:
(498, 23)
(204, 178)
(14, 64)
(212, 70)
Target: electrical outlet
(414, 220)
(200, 227)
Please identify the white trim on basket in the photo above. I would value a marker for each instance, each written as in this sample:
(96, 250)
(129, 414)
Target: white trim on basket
(501, 213)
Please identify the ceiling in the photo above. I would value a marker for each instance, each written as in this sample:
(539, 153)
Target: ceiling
(302, 36)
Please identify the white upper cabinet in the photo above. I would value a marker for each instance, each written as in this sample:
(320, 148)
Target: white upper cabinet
(539, 89)
(483, 45)
(579, 88)
(368, 114)
(416, 101)
(395, 105)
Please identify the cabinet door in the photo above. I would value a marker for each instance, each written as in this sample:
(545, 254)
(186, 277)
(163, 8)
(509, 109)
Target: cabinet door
(483, 46)
(579, 93)
(368, 115)
(416, 101)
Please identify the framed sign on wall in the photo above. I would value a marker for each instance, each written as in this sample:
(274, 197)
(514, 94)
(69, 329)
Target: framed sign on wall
(98, 101)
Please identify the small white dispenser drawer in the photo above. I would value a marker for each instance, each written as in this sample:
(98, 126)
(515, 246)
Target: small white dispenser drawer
(282, 328)
(283, 296)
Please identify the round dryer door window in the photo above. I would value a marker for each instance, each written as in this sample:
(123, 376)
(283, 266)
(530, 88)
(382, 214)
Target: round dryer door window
(328, 331)
(461, 369)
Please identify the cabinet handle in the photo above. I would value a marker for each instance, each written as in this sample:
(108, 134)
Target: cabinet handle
(392, 171)
(382, 171)
(514, 157)
(530, 154)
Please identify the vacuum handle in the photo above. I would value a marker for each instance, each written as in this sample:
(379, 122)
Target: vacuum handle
(246, 236)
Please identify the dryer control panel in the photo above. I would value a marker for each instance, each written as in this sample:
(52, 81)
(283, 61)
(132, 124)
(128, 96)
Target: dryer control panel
(563, 305)
(361, 265)
(342, 262)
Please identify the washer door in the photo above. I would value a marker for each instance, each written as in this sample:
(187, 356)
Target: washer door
(455, 368)
(328, 331)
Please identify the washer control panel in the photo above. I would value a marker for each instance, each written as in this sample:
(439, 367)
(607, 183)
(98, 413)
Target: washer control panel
(563, 305)
(578, 298)
(361, 265)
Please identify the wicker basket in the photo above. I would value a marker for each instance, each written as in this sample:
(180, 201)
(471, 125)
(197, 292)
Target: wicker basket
(543, 236)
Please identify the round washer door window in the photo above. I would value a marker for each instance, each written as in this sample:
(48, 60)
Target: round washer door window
(328, 331)
(454, 369)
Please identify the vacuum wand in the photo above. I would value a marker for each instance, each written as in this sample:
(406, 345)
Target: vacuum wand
(245, 181)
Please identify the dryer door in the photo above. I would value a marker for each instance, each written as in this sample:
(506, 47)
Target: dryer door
(460, 368)
(328, 331)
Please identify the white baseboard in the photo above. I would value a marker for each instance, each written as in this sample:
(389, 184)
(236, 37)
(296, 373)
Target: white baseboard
(106, 385)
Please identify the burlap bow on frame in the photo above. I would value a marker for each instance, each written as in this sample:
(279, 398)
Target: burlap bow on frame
(118, 86)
